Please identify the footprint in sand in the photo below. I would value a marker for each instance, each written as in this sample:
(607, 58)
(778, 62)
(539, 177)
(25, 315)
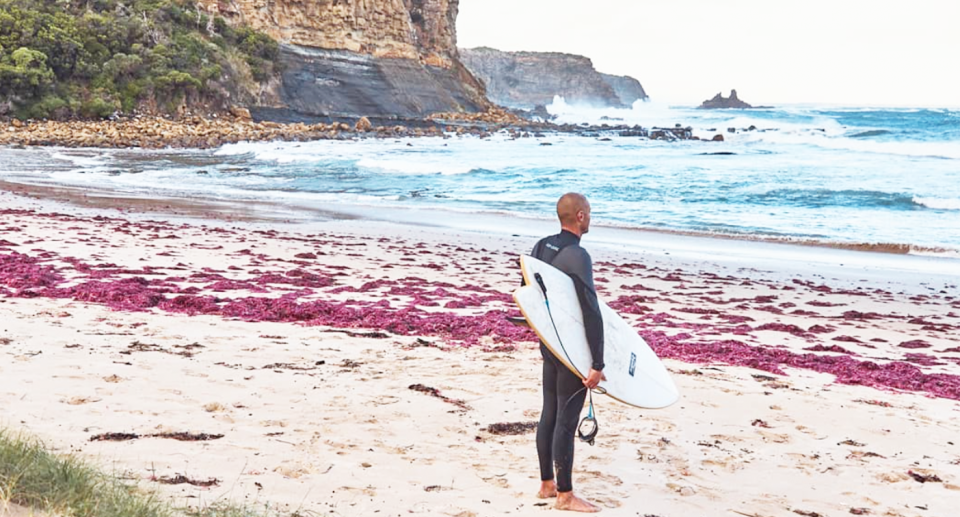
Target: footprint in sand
(729, 463)
(592, 476)
(726, 438)
(806, 430)
(76, 401)
(214, 407)
(684, 490)
(497, 480)
(893, 477)
(293, 471)
(774, 437)
(605, 501)
(661, 426)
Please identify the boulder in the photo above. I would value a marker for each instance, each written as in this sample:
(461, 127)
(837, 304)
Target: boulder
(240, 113)
(364, 125)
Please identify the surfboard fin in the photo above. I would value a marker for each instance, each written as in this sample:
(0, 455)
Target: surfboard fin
(519, 321)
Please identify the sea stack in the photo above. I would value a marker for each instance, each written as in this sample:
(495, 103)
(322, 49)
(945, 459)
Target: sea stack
(720, 102)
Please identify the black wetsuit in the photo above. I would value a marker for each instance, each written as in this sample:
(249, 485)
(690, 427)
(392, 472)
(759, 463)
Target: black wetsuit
(561, 401)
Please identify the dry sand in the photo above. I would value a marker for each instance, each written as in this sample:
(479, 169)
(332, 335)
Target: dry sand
(319, 420)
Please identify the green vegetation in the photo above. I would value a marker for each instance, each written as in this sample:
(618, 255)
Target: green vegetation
(90, 58)
(32, 477)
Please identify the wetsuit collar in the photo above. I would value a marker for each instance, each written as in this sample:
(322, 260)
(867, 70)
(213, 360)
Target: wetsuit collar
(570, 234)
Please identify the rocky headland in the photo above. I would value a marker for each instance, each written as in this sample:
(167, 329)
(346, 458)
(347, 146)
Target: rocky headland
(387, 59)
(628, 89)
(283, 60)
(526, 80)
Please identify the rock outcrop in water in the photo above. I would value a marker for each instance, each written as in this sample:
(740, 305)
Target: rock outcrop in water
(720, 102)
(528, 79)
(385, 58)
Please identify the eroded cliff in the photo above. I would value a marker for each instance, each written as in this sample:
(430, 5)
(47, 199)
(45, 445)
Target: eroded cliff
(628, 89)
(382, 58)
(527, 79)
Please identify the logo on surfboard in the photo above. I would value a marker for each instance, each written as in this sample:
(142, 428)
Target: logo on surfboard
(633, 363)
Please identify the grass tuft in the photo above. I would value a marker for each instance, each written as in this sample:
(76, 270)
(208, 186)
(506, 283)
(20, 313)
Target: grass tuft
(33, 477)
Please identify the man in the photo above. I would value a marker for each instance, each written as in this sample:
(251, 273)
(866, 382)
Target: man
(563, 391)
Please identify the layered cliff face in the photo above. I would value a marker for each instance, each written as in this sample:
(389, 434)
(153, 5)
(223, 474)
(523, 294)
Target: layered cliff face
(527, 79)
(398, 57)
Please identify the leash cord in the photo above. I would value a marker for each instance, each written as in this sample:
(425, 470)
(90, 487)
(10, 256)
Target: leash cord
(591, 435)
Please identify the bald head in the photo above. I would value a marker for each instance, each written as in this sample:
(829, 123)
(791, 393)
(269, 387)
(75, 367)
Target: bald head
(573, 209)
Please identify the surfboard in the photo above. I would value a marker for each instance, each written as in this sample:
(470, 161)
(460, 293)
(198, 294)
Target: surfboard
(635, 375)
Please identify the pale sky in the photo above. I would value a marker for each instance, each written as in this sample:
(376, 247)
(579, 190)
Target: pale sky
(845, 52)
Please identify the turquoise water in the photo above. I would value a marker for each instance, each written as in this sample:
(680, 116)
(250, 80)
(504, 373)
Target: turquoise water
(804, 173)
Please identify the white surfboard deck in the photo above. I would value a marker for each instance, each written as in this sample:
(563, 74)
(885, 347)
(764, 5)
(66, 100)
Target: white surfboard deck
(634, 373)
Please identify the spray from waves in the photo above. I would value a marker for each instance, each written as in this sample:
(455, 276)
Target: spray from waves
(808, 126)
(644, 113)
(790, 125)
(937, 203)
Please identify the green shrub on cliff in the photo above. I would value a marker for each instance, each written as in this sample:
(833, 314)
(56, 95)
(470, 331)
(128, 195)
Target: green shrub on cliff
(92, 58)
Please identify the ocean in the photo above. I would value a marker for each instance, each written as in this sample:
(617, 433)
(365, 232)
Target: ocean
(844, 177)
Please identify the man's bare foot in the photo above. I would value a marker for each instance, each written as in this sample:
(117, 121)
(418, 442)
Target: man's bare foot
(548, 489)
(568, 501)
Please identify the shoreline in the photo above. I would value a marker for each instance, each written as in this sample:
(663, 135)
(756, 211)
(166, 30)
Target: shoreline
(859, 261)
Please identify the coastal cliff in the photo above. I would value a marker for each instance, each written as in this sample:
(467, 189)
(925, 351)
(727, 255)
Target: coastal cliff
(383, 58)
(284, 60)
(528, 79)
(628, 89)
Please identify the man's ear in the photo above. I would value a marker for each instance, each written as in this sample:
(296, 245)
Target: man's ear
(580, 215)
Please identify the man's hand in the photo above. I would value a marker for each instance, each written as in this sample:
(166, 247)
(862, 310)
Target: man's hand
(594, 378)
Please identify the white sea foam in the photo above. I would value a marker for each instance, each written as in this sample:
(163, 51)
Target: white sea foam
(838, 142)
(416, 165)
(800, 126)
(940, 253)
(938, 203)
(82, 158)
(673, 185)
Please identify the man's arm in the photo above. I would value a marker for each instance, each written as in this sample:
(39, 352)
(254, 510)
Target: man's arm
(579, 266)
(592, 322)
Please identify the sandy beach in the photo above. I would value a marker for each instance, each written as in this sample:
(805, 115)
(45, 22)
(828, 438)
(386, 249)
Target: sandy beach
(359, 366)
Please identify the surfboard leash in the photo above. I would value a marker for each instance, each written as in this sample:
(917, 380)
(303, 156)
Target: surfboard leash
(591, 434)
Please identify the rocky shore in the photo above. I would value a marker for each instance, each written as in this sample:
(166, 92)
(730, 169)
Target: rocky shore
(214, 130)
(197, 132)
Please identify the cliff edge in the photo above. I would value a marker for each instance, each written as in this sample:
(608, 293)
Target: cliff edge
(528, 79)
(379, 58)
